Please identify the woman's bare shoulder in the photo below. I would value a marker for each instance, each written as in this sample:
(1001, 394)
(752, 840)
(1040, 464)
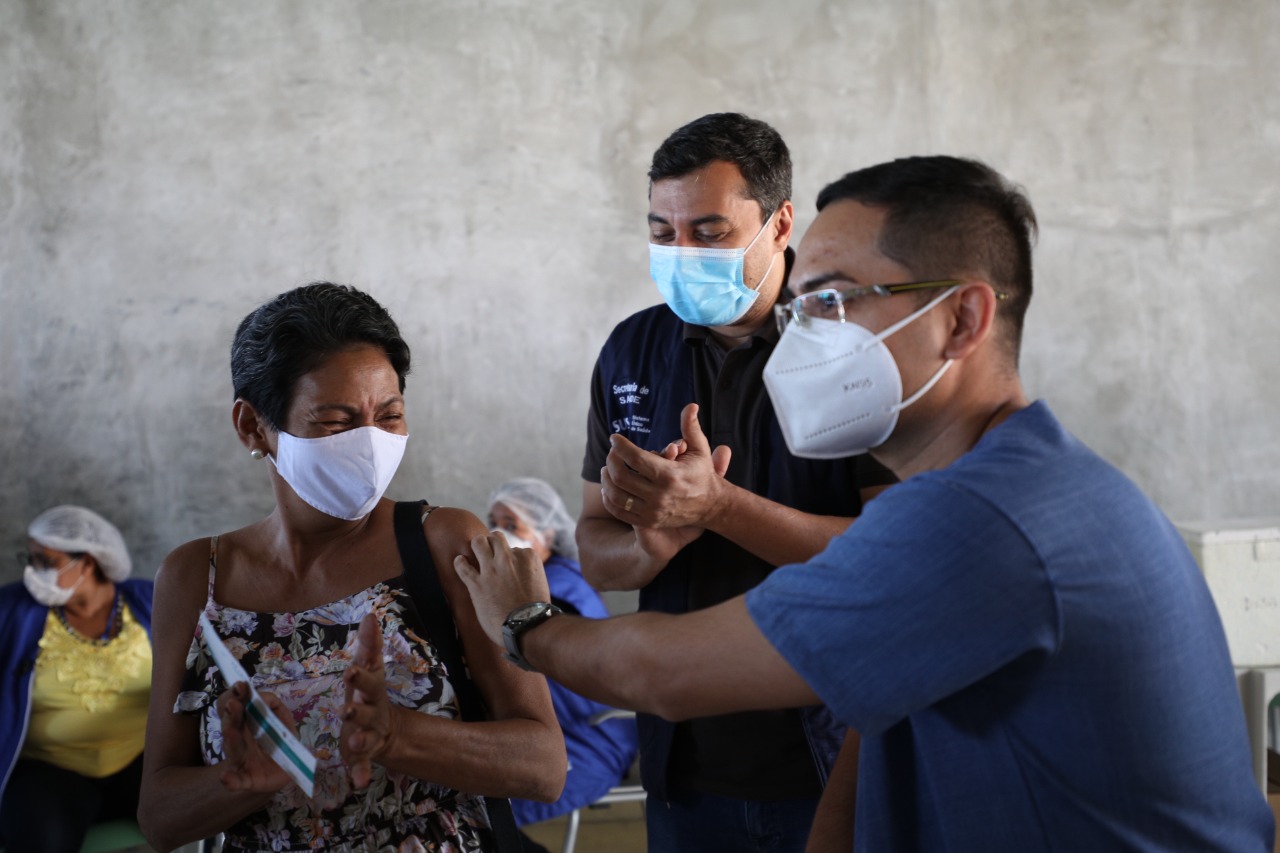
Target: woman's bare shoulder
(186, 570)
(182, 584)
(457, 526)
(187, 559)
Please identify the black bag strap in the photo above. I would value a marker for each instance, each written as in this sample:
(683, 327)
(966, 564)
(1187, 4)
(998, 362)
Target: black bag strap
(423, 582)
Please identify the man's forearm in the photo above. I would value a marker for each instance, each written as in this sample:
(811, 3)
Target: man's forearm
(712, 661)
(602, 659)
(775, 533)
(610, 557)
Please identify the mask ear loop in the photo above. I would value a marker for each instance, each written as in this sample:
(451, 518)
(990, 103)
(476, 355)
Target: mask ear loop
(946, 365)
(765, 275)
(924, 389)
(913, 315)
(79, 581)
(773, 258)
(758, 233)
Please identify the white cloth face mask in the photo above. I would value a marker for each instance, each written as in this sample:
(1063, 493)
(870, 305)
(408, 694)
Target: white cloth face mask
(835, 387)
(343, 475)
(513, 540)
(43, 584)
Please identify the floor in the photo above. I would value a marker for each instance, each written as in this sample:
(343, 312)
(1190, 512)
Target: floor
(608, 829)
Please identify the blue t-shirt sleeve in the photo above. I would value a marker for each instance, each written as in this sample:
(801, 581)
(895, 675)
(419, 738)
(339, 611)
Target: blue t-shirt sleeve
(930, 591)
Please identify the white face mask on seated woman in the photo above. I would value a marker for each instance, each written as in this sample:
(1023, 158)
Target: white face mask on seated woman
(343, 475)
(43, 584)
(512, 539)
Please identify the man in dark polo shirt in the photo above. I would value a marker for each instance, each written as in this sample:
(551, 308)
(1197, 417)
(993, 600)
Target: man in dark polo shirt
(689, 526)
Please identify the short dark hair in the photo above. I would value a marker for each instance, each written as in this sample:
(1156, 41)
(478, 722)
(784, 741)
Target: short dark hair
(750, 144)
(291, 335)
(951, 217)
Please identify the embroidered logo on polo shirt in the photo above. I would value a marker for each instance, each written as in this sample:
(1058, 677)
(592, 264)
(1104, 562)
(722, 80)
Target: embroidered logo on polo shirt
(630, 393)
(630, 396)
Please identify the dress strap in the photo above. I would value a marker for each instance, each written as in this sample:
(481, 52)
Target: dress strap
(213, 563)
(423, 585)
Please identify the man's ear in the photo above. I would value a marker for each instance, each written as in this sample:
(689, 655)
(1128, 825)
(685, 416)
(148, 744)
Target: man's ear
(973, 314)
(783, 226)
(251, 428)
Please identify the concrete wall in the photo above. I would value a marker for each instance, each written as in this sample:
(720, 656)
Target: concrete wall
(479, 167)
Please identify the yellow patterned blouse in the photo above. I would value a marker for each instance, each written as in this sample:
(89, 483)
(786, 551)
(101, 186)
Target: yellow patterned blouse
(89, 698)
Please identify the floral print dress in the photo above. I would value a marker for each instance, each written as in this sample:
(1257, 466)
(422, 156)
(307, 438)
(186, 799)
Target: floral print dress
(300, 657)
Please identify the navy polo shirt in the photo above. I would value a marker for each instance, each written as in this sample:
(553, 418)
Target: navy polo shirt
(652, 365)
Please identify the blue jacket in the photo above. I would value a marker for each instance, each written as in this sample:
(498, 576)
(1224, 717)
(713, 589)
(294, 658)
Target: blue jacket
(647, 372)
(22, 621)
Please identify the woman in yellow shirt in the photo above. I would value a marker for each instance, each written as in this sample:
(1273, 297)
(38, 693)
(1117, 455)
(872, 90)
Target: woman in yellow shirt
(75, 681)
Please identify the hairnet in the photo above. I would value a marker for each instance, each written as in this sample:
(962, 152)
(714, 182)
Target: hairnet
(77, 530)
(540, 507)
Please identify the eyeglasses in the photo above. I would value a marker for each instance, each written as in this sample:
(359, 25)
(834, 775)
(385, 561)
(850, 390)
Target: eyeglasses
(829, 304)
(26, 558)
(39, 561)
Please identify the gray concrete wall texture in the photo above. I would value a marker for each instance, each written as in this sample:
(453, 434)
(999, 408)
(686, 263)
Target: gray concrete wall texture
(479, 167)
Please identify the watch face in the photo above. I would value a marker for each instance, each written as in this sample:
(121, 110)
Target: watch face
(527, 612)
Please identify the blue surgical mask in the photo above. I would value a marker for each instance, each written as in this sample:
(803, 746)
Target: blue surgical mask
(705, 286)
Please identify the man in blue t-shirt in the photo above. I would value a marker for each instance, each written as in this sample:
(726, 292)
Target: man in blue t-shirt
(1027, 649)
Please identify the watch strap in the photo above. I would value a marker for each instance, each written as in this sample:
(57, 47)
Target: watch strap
(513, 630)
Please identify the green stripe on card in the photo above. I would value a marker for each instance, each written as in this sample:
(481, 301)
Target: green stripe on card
(256, 713)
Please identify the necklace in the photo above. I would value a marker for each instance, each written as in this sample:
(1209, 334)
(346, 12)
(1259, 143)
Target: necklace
(111, 620)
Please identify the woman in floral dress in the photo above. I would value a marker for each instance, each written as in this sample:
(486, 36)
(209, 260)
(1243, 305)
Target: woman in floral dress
(312, 601)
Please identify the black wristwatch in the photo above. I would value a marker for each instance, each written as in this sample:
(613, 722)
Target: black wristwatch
(520, 620)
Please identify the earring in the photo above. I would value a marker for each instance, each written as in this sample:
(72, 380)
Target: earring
(256, 453)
